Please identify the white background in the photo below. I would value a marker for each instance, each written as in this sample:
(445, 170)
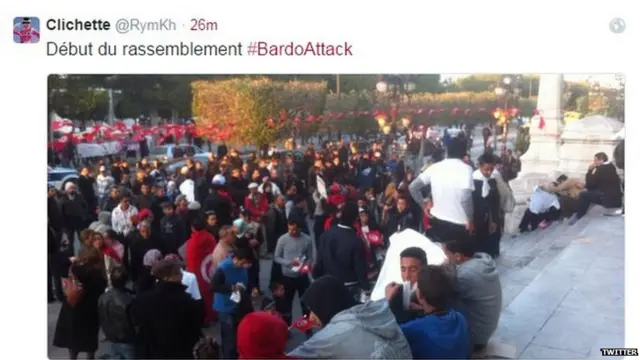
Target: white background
(387, 36)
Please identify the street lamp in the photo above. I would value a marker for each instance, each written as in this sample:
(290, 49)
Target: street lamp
(395, 87)
(595, 96)
(508, 90)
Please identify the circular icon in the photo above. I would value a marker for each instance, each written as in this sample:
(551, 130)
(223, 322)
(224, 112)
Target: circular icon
(617, 26)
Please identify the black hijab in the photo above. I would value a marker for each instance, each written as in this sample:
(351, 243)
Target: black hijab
(326, 297)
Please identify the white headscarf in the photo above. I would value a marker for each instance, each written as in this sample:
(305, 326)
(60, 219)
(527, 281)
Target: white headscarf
(486, 188)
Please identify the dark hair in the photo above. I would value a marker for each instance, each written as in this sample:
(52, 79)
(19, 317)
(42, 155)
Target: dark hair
(198, 224)
(294, 222)
(210, 213)
(415, 252)
(125, 196)
(243, 254)
(436, 286)
(487, 158)
(457, 148)
(119, 277)
(403, 196)
(465, 246)
(275, 286)
(350, 214)
(561, 178)
(165, 268)
(111, 234)
(167, 205)
(601, 156)
(300, 199)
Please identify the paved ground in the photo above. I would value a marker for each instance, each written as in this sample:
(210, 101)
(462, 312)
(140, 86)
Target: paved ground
(564, 289)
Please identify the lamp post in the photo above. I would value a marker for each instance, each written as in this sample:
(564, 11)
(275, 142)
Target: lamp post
(396, 88)
(508, 92)
(596, 96)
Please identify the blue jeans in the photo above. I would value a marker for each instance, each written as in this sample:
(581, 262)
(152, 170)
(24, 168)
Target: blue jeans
(228, 335)
(122, 351)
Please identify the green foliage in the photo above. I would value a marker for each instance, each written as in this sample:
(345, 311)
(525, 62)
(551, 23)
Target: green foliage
(487, 82)
(238, 110)
(352, 106)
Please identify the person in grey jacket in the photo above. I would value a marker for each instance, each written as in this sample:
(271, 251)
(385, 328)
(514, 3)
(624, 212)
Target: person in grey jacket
(103, 224)
(478, 290)
(349, 331)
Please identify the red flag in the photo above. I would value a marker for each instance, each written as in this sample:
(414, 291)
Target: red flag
(199, 261)
(303, 324)
(541, 124)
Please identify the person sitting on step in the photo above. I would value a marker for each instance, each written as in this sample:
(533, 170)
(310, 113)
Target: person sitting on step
(568, 191)
(602, 187)
(544, 208)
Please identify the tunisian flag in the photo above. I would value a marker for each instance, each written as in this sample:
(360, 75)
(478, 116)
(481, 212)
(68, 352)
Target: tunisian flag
(199, 261)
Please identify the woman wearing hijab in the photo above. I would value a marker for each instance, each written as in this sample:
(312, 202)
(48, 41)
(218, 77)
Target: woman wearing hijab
(262, 335)
(78, 324)
(486, 206)
(146, 280)
(349, 331)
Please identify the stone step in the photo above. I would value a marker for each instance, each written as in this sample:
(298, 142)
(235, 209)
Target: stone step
(536, 293)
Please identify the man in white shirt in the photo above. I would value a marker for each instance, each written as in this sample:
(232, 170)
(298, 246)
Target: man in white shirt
(451, 192)
(187, 187)
(121, 216)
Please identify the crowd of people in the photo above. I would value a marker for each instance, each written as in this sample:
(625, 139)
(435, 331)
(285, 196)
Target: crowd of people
(161, 256)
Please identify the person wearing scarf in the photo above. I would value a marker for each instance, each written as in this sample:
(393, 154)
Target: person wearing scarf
(262, 335)
(256, 203)
(146, 280)
(486, 206)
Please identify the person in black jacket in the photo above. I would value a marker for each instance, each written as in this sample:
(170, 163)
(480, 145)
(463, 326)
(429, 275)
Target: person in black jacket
(114, 308)
(85, 185)
(276, 223)
(54, 288)
(342, 253)
(399, 218)
(74, 211)
(486, 206)
(603, 187)
(219, 201)
(168, 318)
(172, 230)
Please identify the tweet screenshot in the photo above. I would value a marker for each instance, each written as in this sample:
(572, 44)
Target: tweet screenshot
(330, 180)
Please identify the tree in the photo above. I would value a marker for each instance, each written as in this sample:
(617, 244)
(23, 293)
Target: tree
(480, 83)
(80, 97)
(250, 111)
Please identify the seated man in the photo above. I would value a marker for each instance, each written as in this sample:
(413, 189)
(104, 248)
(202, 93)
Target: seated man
(478, 292)
(443, 332)
(544, 208)
(412, 260)
(568, 191)
(602, 185)
(349, 330)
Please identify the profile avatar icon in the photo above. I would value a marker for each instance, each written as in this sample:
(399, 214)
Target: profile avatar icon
(26, 30)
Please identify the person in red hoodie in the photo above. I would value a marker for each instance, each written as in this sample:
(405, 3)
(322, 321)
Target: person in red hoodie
(256, 204)
(262, 335)
(199, 261)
